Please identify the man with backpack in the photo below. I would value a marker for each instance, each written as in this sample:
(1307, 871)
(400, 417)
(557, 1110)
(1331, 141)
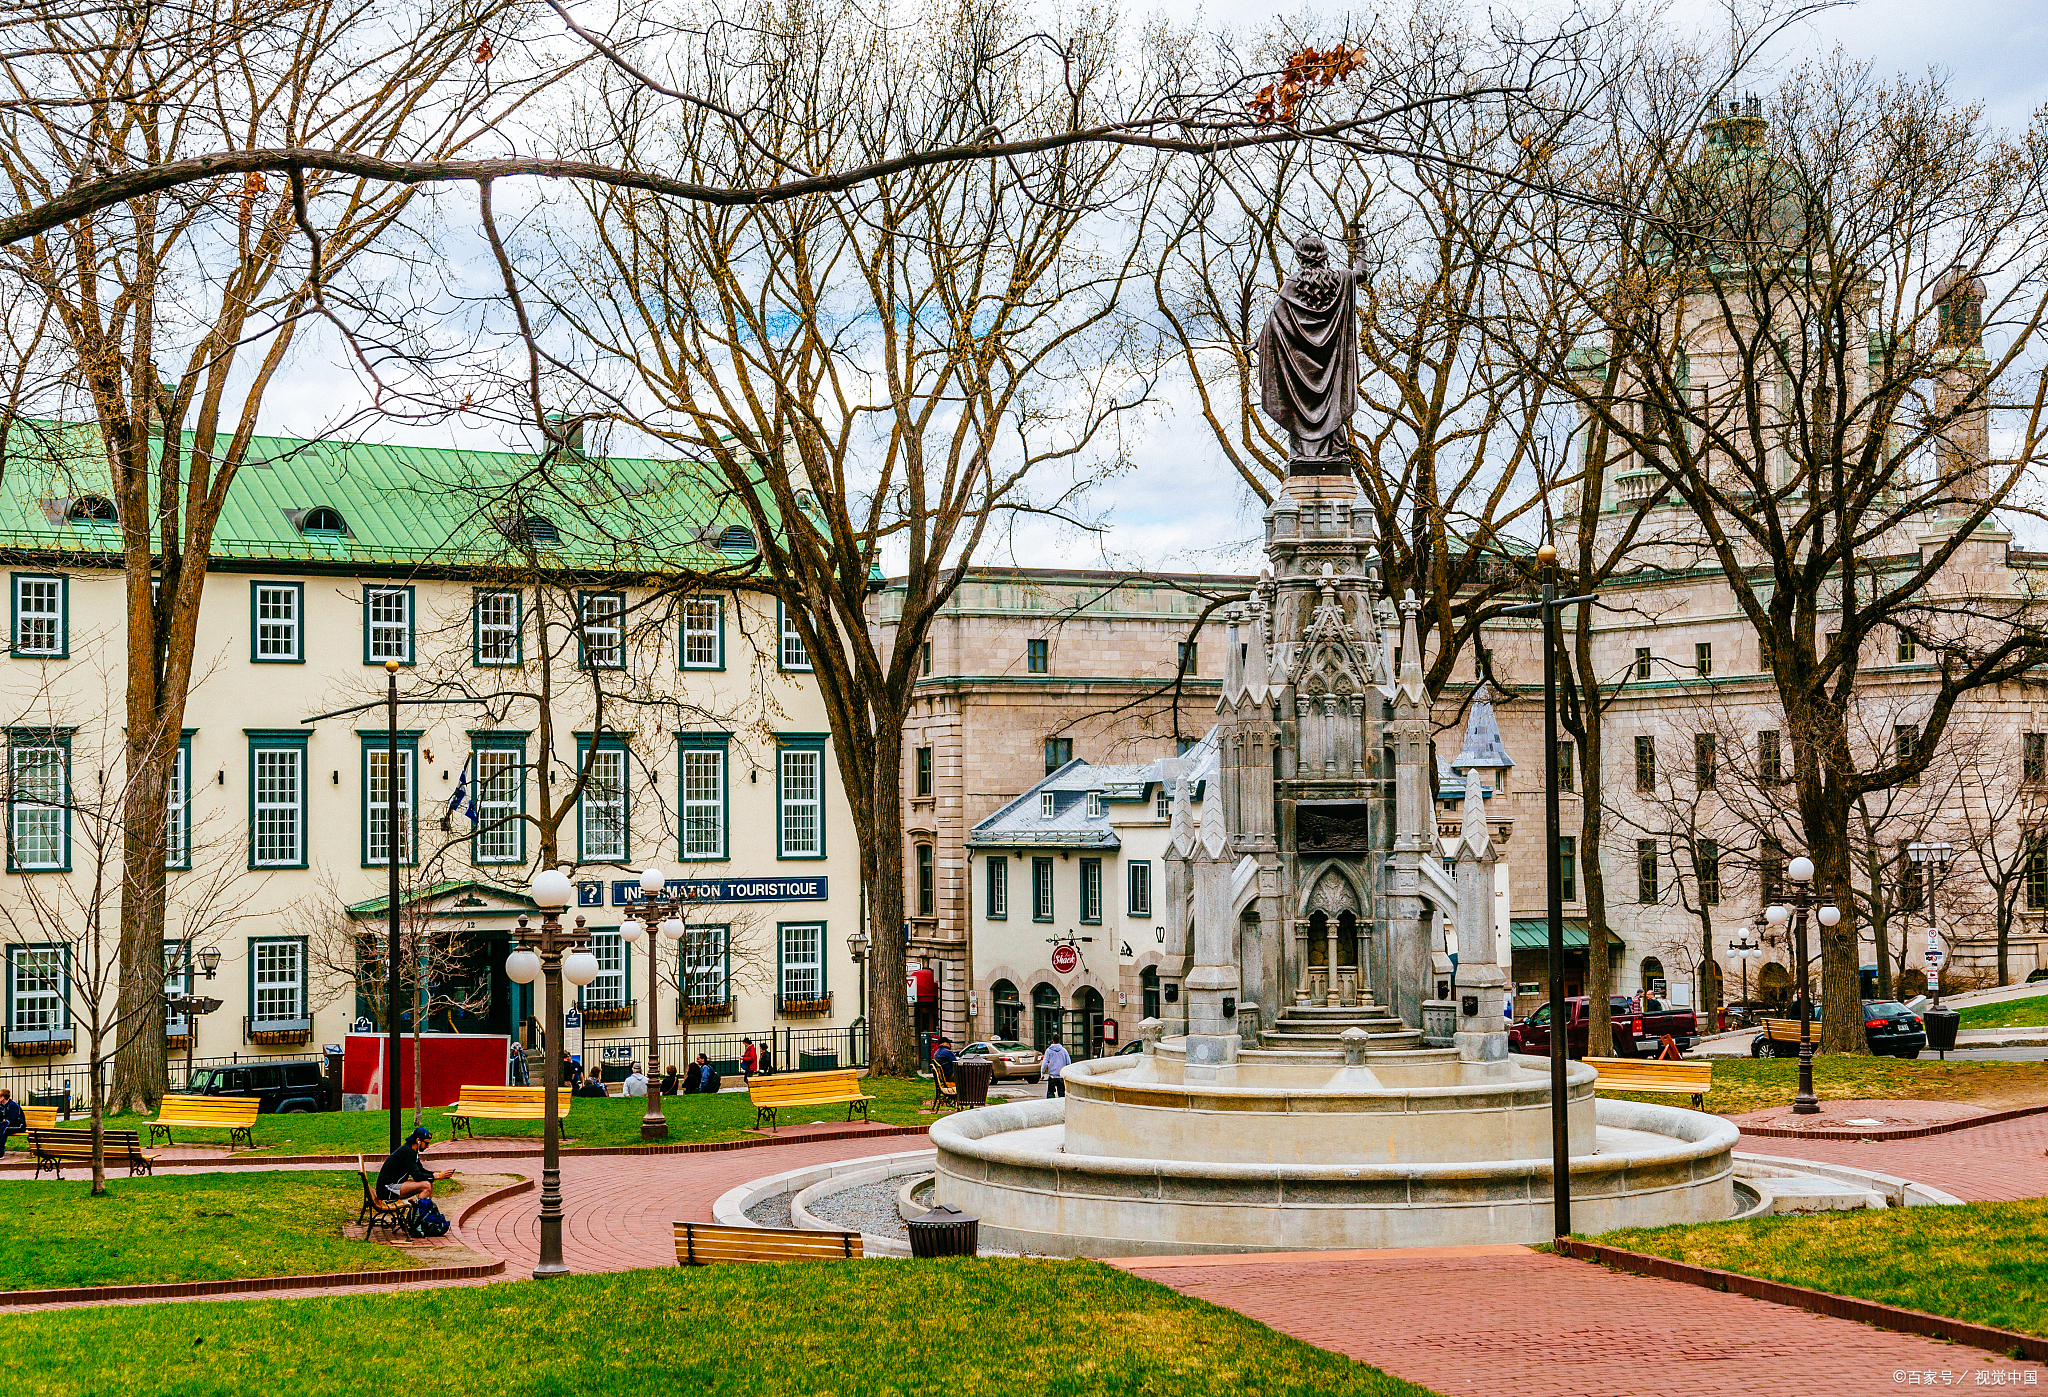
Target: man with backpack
(403, 1176)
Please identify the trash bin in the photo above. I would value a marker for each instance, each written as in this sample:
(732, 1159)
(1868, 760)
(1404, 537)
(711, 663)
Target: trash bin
(1941, 1028)
(944, 1231)
(60, 1099)
(972, 1076)
(817, 1062)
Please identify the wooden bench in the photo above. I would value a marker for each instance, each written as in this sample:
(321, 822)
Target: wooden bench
(234, 1114)
(39, 1117)
(798, 1089)
(389, 1213)
(56, 1148)
(945, 1092)
(503, 1104)
(1787, 1031)
(1694, 1079)
(702, 1243)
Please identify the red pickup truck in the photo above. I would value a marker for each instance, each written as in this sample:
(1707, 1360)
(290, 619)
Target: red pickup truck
(1635, 1033)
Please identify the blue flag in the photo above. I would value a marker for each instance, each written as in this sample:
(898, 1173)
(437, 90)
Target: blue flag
(462, 802)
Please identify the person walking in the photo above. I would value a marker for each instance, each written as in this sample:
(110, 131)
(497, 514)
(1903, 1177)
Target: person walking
(1055, 1061)
(750, 1060)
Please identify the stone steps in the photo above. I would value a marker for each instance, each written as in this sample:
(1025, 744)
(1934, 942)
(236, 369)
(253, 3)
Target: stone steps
(1333, 1043)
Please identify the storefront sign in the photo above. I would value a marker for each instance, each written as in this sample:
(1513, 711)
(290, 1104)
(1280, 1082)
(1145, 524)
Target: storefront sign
(626, 891)
(1065, 960)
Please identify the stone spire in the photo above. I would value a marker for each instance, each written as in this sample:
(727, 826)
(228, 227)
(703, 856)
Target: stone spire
(1411, 652)
(1481, 983)
(1233, 663)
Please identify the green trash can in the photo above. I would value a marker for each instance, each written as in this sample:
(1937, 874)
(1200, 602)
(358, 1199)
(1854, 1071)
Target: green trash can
(817, 1062)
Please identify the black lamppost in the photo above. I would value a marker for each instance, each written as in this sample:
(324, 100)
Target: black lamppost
(1744, 951)
(1800, 871)
(558, 954)
(192, 1005)
(1933, 861)
(655, 903)
(1560, 1120)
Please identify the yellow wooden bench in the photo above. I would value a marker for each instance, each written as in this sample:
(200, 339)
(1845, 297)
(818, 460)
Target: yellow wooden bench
(504, 1104)
(56, 1148)
(1787, 1030)
(798, 1089)
(702, 1243)
(945, 1093)
(39, 1117)
(1694, 1079)
(234, 1114)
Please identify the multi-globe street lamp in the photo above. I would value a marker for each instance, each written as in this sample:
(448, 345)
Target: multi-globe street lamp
(557, 954)
(1745, 951)
(1800, 871)
(667, 914)
(191, 1005)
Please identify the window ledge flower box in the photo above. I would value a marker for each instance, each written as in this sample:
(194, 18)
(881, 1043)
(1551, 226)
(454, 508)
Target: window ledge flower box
(804, 1008)
(608, 1013)
(705, 1013)
(38, 1047)
(277, 1033)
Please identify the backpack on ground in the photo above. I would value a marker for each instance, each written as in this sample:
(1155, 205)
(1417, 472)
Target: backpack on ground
(712, 1081)
(427, 1220)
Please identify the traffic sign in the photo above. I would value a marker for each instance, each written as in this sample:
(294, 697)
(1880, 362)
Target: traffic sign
(1065, 960)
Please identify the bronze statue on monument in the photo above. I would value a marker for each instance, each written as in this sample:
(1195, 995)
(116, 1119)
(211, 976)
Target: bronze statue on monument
(1308, 360)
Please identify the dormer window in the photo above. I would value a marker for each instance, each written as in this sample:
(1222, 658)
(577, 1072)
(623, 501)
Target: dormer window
(738, 539)
(532, 529)
(1048, 805)
(323, 522)
(1094, 805)
(93, 509)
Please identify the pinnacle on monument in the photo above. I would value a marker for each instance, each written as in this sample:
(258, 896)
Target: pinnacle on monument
(1484, 750)
(1233, 661)
(1411, 651)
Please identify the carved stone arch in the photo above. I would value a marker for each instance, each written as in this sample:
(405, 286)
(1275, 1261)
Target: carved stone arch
(1331, 889)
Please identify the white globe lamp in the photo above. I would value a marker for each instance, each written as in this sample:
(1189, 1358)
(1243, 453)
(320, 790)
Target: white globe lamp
(522, 967)
(1777, 916)
(631, 930)
(672, 928)
(579, 967)
(1800, 870)
(552, 889)
(1829, 915)
(652, 881)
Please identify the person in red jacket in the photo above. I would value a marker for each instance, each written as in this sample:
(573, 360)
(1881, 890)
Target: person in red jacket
(750, 1059)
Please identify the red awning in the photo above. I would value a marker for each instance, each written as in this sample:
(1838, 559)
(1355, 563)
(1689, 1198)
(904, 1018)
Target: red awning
(926, 985)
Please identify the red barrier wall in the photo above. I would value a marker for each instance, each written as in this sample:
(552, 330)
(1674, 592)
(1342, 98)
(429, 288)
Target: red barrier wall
(450, 1060)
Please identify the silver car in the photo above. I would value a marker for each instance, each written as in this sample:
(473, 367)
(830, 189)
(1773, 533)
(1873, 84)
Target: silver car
(1008, 1059)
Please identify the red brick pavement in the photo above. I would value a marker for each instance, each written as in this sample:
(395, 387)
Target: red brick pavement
(1541, 1326)
(1989, 1163)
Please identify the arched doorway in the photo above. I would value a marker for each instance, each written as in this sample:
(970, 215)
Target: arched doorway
(1088, 1023)
(1045, 1015)
(1009, 1010)
(1652, 977)
(1148, 992)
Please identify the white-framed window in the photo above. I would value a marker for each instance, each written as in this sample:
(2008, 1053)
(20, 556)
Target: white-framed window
(38, 805)
(377, 804)
(178, 810)
(278, 807)
(800, 783)
(278, 607)
(1048, 805)
(1094, 805)
(177, 984)
(1139, 877)
(601, 813)
(36, 993)
(1162, 802)
(387, 624)
(703, 633)
(608, 990)
(277, 977)
(500, 783)
(1091, 890)
(604, 630)
(497, 620)
(703, 802)
(707, 968)
(793, 653)
(998, 886)
(1041, 890)
(39, 621)
(803, 962)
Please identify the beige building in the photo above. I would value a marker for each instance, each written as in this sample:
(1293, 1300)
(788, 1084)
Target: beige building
(692, 723)
(1024, 672)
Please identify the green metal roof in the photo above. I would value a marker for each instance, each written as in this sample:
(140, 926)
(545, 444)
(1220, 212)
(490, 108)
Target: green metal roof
(1534, 935)
(376, 906)
(404, 506)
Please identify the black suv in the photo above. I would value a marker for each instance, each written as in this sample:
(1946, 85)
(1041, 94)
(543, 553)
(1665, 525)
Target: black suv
(280, 1086)
(1890, 1029)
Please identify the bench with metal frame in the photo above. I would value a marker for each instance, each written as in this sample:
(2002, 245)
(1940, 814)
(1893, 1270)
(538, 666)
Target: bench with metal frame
(702, 1243)
(390, 1213)
(234, 1114)
(503, 1104)
(1640, 1074)
(798, 1089)
(56, 1148)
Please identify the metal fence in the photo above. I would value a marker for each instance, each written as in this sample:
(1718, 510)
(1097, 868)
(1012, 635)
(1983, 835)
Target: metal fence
(790, 1049)
(39, 1083)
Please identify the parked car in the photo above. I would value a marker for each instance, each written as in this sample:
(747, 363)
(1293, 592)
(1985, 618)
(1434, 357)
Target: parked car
(1635, 1033)
(1890, 1029)
(1008, 1058)
(282, 1087)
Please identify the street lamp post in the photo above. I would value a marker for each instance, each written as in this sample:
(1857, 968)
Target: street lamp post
(1933, 861)
(557, 954)
(1800, 871)
(654, 903)
(858, 945)
(1560, 1120)
(193, 1005)
(1745, 951)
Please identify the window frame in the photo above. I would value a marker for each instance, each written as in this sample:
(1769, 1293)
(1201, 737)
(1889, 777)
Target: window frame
(688, 976)
(1707, 871)
(584, 648)
(178, 984)
(1567, 766)
(925, 857)
(1138, 888)
(1060, 747)
(1703, 659)
(783, 964)
(2034, 759)
(372, 591)
(922, 775)
(495, 741)
(1649, 879)
(1646, 762)
(716, 632)
(786, 636)
(1770, 755)
(1644, 662)
(696, 743)
(1187, 658)
(1568, 867)
(996, 886)
(2034, 871)
(178, 807)
(478, 596)
(63, 1030)
(62, 649)
(304, 987)
(280, 740)
(613, 941)
(29, 739)
(1089, 886)
(1044, 900)
(605, 742)
(297, 591)
(375, 745)
(1706, 761)
(797, 744)
(1037, 656)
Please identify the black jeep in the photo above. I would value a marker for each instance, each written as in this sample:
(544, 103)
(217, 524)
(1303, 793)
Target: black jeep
(280, 1086)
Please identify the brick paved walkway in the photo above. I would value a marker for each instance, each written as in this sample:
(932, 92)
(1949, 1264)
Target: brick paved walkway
(1540, 1326)
(1986, 1163)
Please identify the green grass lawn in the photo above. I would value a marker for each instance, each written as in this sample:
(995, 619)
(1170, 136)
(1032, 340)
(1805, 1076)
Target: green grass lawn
(967, 1328)
(1754, 1084)
(1982, 1262)
(613, 1121)
(2009, 1013)
(202, 1228)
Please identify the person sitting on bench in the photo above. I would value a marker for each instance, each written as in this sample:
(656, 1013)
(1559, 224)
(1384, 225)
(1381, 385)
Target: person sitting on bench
(12, 1121)
(593, 1085)
(403, 1176)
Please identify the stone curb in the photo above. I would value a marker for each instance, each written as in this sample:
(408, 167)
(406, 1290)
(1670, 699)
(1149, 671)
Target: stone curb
(1904, 1132)
(1871, 1312)
(238, 1161)
(257, 1285)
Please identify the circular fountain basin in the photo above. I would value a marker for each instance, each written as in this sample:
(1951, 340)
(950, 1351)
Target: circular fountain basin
(1283, 1152)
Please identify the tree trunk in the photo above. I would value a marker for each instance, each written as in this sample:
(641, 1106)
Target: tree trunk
(1592, 864)
(99, 1117)
(892, 1039)
(1824, 816)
